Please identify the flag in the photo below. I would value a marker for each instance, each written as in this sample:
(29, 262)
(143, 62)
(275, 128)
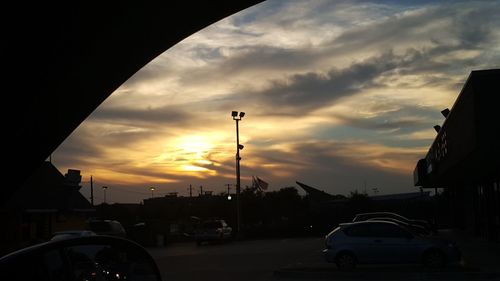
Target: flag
(262, 184)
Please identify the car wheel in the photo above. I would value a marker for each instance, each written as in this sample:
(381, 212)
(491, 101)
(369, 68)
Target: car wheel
(345, 261)
(434, 259)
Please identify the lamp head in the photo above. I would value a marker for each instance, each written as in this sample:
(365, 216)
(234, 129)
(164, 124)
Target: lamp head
(240, 146)
(445, 112)
(234, 113)
(437, 128)
(242, 114)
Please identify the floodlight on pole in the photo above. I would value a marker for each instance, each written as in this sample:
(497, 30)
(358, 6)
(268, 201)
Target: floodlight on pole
(237, 116)
(104, 188)
(445, 112)
(152, 191)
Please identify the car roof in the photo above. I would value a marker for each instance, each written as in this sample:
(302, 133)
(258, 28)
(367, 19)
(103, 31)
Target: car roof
(386, 219)
(366, 222)
(379, 213)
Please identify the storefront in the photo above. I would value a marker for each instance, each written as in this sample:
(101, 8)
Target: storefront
(464, 158)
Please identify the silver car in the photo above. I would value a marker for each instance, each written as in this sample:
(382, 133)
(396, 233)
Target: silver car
(423, 223)
(377, 242)
(72, 234)
(213, 230)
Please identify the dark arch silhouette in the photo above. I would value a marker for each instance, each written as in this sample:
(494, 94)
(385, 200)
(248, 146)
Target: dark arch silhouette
(61, 61)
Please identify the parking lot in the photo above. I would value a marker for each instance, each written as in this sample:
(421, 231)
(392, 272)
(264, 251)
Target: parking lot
(300, 258)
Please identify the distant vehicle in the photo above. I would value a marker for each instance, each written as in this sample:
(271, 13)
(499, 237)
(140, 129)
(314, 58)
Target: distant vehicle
(423, 223)
(72, 234)
(212, 230)
(107, 227)
(383, 242)
(418, 229)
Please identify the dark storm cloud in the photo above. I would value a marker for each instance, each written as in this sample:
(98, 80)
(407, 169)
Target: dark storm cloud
(381, 123)
(475, 27)
(248, 59)
(472, 24)
(409, 118)
(314, 90)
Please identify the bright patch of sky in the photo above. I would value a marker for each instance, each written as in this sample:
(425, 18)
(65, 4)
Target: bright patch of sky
(336, 93)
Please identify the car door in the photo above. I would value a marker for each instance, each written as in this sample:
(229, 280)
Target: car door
(358, 240)
(393, 244)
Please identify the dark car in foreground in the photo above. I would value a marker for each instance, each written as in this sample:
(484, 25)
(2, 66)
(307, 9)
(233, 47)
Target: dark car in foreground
(383, 242)
(91, 258)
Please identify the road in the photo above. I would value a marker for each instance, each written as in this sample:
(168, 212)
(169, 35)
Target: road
(239, 260)
(282, 259)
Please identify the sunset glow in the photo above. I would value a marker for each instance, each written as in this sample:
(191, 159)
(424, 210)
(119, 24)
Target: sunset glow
(336, 93)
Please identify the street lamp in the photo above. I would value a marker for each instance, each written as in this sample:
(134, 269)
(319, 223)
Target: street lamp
(445, 112)
(237, 117)
(228, 193)
(152, 191)
(104, 188)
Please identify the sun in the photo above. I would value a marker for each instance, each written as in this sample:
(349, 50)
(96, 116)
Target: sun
(194, 152)
(198, 146)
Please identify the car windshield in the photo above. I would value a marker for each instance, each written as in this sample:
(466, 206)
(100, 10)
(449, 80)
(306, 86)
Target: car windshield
(100, 226)
(212, 225)
(271, 123)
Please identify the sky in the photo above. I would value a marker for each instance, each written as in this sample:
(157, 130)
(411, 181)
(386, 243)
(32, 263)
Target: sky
(340, 95)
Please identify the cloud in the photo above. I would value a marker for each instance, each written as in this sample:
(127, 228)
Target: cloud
(142, 117)
(336, 92)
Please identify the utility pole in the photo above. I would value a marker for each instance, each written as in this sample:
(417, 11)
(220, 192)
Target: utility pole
(91, 191)
(201, 190)
(190, 191)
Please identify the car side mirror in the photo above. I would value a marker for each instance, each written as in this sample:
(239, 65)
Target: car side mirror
(83, 258)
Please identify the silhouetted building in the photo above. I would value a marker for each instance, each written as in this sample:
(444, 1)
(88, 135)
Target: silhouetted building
(327, 210)
(46, 203)
(464, 158)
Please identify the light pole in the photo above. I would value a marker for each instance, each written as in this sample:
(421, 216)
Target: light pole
(228, 193)
(237, 117)
(104, 188)
(152, 191)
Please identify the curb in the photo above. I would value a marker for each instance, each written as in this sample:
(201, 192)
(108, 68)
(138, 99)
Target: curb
(367, 275)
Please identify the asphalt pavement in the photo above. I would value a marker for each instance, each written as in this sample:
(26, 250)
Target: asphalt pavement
(301, 258)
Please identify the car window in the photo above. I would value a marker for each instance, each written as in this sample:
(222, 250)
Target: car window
(100, 226)
(387, 230)
(212, 225)
(362, 230)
